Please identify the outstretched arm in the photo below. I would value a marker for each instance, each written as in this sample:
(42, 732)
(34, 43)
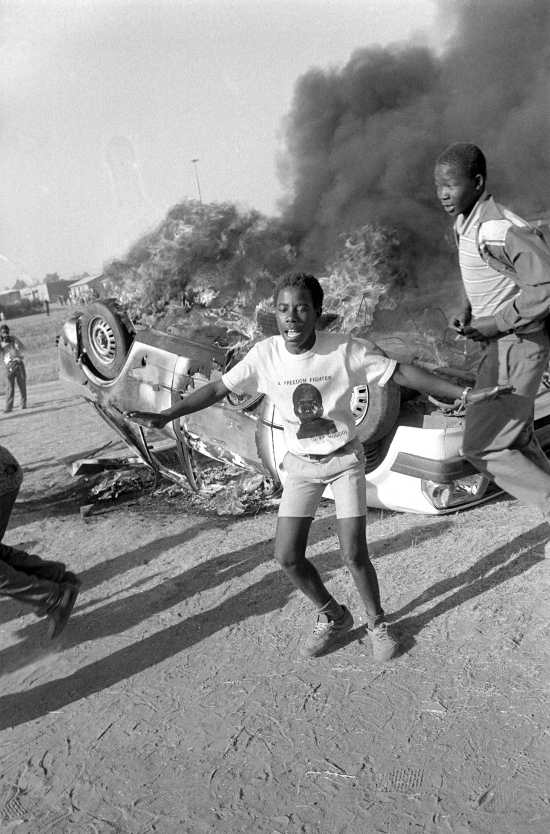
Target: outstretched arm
(411, 376)
(201, 398)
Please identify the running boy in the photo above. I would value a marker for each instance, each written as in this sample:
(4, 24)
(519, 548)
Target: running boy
(505, 268)
(309, 376)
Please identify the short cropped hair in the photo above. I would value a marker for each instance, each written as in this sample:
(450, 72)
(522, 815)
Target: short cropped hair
(4, 328)
(466, 157)
(304, 281)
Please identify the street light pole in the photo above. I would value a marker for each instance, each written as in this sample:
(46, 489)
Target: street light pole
(194, 161)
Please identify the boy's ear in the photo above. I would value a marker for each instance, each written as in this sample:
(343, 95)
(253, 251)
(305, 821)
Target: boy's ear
(480, 182)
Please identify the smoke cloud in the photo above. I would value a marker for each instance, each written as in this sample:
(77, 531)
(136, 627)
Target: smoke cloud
(361, 140)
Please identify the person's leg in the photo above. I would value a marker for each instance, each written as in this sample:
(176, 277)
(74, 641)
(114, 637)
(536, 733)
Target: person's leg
(11, 477)
(22, 383)
(54, 600)
(10, 391)
(290, 552)
(349, 492)
(333, 620)
(33, 565)
(301, 495)
(353, 544)
(498, 436)
(7, 500)
(40, 594)
(347, 481)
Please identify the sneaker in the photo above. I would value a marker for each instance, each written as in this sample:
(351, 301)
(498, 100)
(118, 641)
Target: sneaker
(47, 569)
(384, 646)
(72, 578)
(327, 633)
(59, 615)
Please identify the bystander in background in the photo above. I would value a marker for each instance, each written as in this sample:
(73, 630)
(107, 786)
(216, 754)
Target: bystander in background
(12, 354)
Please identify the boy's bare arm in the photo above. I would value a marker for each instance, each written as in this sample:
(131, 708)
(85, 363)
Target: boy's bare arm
(201, 398)
(411, 376)
(462, 312)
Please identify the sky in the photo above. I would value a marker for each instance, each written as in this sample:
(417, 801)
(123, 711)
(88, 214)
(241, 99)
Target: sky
(106, 103)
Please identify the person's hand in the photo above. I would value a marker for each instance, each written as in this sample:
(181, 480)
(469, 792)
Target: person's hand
(479, 395)
(148, 419)
(459, 319)
(471, 396)
(481, 329)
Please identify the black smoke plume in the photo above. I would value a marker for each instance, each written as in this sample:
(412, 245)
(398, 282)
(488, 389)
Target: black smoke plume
(361, 140)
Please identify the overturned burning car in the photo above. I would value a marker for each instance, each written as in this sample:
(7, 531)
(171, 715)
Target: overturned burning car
(412, 443)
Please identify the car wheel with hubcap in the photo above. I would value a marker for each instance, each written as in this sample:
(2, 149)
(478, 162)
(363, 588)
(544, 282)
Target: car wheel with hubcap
(106, 337)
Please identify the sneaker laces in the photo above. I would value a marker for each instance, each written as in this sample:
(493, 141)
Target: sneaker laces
(381, 632)
(383, 643)
(323, 622)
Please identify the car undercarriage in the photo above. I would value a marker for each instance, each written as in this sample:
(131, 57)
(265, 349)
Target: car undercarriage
(412, 443)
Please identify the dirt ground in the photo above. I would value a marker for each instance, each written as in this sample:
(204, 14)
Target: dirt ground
(176, 700)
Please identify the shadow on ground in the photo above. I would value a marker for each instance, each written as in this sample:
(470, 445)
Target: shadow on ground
(487, 573)
(270, 593)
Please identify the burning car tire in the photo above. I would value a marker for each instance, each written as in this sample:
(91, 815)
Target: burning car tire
(106, 337)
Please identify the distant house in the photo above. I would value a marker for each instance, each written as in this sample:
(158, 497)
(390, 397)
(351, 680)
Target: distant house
(53, 291)
(86, 289)
(9, 298)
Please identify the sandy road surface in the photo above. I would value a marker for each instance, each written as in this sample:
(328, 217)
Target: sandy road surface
(176, 700)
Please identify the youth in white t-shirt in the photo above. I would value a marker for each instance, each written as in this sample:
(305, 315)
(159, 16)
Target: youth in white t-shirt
(312, 390)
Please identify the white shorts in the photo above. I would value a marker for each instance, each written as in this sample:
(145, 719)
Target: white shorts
(308, 476)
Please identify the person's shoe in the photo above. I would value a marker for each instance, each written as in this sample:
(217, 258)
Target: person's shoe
(58, 616)
(72, 578)
(384, 646)
(47, 569)
(327, 633)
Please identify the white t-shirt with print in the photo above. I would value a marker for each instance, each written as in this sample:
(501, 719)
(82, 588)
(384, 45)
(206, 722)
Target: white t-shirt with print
(311, 390)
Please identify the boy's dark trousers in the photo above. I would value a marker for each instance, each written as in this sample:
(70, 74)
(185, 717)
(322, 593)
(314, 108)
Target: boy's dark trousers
(499, 438)
(16, 373)
(23, 576)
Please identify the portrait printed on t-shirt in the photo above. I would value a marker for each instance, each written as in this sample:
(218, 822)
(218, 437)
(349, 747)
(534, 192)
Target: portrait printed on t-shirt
(308, 408)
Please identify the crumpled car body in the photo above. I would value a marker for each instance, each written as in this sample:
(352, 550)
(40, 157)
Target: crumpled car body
(412, 447)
